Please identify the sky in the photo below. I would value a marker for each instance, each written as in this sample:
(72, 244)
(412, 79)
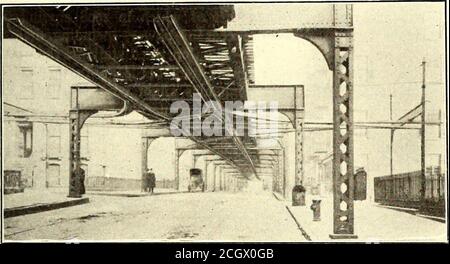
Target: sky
(390, 41)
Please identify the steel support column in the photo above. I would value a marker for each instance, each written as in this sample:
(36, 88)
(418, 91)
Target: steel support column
(177, 169)
(343, 185)
(205, 172)
(276, 179)
(220, 178)
(146, 141)
(214, 177)
(76, 121)
(336, 45)
(282, 173)
(298, 149)
(194, 160)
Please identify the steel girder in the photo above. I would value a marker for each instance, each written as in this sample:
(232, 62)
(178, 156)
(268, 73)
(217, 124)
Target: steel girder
(58, 51)
(177, 44)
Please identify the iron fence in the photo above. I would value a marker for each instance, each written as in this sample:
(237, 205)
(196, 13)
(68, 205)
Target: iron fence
(404, 189)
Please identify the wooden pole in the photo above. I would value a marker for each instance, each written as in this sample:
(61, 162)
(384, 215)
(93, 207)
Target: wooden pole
(392, 135)
(422, 135)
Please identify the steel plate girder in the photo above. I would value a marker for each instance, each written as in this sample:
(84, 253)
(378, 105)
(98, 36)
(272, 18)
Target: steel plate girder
(181, 51)
(56, 51)
(285, 18)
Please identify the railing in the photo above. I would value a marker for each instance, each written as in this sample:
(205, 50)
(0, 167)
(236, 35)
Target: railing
(109, 183)
(404, 189)
(435, 184)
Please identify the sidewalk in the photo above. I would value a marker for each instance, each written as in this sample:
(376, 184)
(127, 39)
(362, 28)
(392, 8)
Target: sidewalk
(35, 201)
(372, 223)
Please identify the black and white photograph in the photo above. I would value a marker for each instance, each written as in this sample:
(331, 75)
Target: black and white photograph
(231, 122)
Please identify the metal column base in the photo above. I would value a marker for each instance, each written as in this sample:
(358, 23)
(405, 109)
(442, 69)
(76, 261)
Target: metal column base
(343, 236)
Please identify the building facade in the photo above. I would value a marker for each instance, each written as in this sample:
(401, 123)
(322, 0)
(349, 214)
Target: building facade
(36, 103)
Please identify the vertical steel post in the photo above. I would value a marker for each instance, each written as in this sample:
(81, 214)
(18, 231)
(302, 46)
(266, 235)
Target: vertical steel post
(146, 141)
(76, 121)
(194, 160)
(77, 118)
(205, 171)
(215, 177)
(225, 181)
(74, 155)
(144, 160)
(343, 185)
(282, 161)
(299, 120)
(177, 169)
(220, 178)
(275, 178)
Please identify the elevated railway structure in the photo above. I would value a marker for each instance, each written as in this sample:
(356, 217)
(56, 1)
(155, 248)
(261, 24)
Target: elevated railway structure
(150, 56)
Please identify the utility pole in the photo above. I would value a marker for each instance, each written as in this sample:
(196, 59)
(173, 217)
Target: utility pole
(422, 135)
(392, 134)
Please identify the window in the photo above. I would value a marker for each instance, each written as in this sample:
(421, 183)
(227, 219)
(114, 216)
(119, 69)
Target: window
(25, 139)
(28, 144)
(53, 87)
(26, 84)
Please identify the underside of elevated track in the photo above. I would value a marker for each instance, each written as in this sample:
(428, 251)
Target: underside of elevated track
(152, 56)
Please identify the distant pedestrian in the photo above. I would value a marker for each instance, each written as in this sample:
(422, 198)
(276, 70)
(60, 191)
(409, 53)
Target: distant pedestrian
(145, 180)
(151, 180)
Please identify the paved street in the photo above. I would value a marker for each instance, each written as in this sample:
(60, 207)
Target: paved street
(164, 217)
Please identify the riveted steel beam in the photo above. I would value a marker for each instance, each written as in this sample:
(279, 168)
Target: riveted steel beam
(177, 44)
(55, 50)
(343, 185)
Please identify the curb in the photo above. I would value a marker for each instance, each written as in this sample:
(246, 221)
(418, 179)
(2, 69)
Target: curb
(130, 195)
(32, 209)
(276, 195)
(305, 235)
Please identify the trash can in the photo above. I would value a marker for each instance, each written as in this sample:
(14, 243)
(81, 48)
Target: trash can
(315, 207)
(298, 195)
(360, 184)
